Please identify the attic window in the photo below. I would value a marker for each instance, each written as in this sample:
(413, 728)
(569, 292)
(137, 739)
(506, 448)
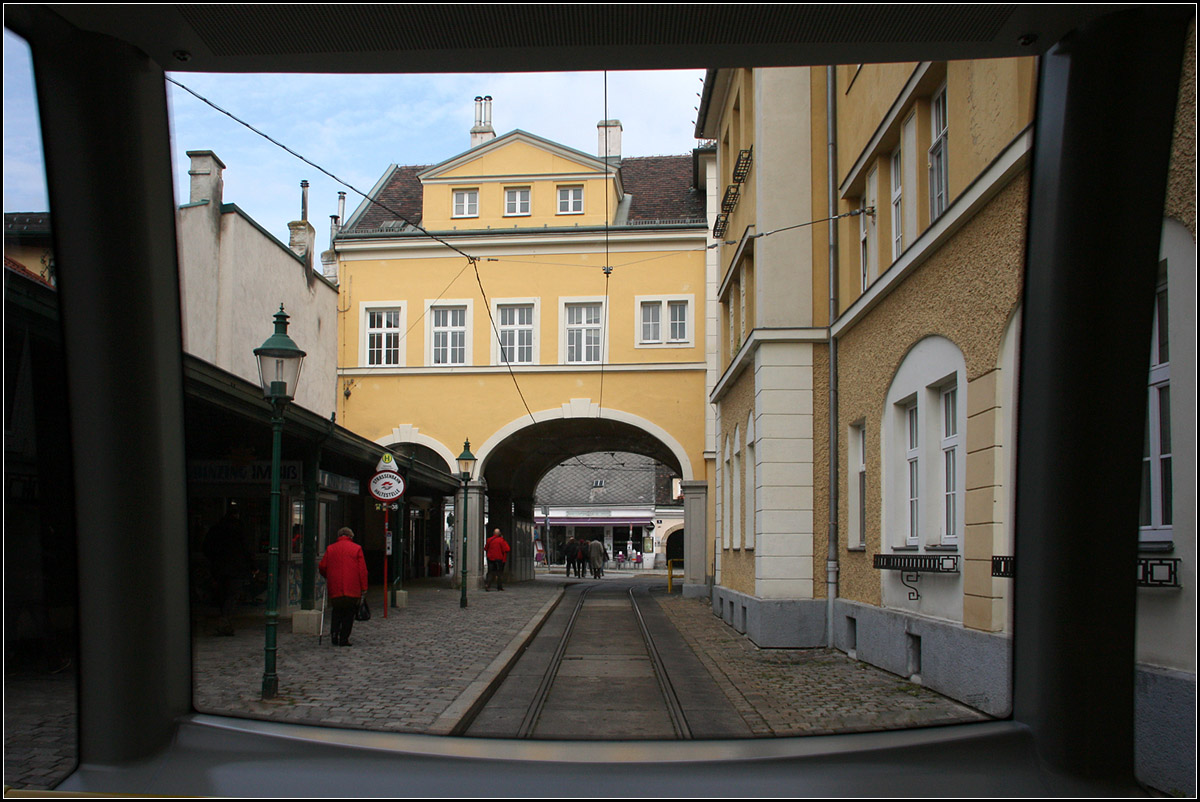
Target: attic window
(597, 483)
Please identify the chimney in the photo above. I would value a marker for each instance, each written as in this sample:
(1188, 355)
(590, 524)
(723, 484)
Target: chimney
(302, 237)
(608, 134)
(341, 206)
(206, 182)
(482, 131)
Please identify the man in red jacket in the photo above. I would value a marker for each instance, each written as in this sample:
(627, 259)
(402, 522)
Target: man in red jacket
(497, 550)
(345, 572)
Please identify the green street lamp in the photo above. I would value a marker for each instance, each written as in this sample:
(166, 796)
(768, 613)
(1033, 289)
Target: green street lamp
(466, 462)
(279, 362)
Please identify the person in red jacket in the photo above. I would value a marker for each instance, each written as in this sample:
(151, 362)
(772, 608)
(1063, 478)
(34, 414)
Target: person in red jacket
(497, 550)
(345, 572)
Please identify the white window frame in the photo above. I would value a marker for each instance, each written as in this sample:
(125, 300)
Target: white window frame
(663, 305)
(908, 145)
(737, 488)
(950, 466)
(565, 305)
(1156, 516)
(464, 203)
(939, 176)
(534, 328)
(912, 469)
(431, 330)
(911, 413)
(651, 323)
(750, 530)
(856, 454)
(570, 199)
(897, 165)
(514, 204)
(365, 331)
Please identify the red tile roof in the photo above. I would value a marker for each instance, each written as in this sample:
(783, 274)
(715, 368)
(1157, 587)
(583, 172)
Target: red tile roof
(661, 187)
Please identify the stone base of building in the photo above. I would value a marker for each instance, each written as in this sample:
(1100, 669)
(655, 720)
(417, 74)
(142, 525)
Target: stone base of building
(1164, 729)
(696, 590)
(971, 666)
(772, 623)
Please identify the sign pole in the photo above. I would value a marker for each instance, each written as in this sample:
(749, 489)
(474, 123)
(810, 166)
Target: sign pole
(386, 486)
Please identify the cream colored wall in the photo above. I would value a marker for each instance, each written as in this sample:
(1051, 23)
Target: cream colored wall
(37, 260)
(865, 93)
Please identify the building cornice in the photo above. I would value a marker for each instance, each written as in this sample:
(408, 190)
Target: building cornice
(520, 242)
(745, 354)
(475, 370)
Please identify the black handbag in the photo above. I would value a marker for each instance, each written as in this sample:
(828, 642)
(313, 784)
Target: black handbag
(364, 612)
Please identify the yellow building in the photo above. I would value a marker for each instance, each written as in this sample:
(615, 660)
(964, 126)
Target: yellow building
(539, 301)
(873, 229)
(900, 261)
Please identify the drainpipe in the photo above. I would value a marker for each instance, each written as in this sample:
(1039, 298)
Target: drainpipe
(831, 562)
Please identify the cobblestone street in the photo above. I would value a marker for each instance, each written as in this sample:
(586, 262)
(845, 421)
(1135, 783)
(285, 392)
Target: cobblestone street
(420, 670)
(784, 692)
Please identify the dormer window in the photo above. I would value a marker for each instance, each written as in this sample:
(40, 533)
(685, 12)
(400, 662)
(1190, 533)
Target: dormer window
(570, 200)
(466, 203)
(516, 202)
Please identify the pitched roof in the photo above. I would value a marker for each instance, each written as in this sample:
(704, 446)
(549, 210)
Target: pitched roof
(400, 193)
(661, 188)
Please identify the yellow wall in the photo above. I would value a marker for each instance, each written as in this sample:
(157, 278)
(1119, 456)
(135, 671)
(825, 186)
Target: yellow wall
(512, 165)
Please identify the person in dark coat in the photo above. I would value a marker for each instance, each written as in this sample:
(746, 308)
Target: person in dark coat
(345, 570)
(230, 564)
(569, 551)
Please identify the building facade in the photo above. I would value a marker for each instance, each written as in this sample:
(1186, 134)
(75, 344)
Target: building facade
(872, 230)
(537, 301)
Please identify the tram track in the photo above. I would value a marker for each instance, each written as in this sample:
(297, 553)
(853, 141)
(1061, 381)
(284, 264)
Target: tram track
(608, 666)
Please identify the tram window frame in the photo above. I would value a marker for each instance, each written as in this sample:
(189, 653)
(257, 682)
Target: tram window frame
(197, 754)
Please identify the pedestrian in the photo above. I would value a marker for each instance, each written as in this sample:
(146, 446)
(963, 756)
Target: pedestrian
(345, 570)
(230, 564)
(497, 550)
(597, 555)
(581, 556)
(570, 550)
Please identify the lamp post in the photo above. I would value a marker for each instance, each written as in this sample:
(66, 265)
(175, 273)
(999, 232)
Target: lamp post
(466, 462)
(279, 362)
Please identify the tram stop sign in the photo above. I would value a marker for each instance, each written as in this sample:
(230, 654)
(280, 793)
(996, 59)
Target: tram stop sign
(387, 486)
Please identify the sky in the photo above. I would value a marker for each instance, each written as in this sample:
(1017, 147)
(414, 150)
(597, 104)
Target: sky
(355, 126)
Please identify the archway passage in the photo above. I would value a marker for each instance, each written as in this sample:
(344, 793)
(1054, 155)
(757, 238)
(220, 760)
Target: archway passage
(516, 465)
(512, 469)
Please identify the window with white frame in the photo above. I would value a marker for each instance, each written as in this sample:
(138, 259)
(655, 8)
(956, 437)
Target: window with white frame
(516, 202)
(897, 204)
(1155, 517)
(449, 335)
(737, 487)
(921, 444)
(584, 328)
(938, 177)
(384, 334)
(663, 321)
(570, 200)
(950, 443)
(857, 501)
(864, 248)
(515, 325)
(678, 331)
(749, 531)
(912, 456)
(466, 203)
(651, 321)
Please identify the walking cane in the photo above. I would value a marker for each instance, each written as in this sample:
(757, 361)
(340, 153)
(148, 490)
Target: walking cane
(321, 628)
